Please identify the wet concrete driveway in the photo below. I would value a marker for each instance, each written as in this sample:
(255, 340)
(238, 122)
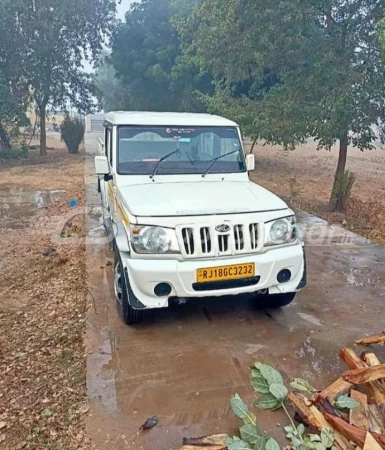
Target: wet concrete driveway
(183, 364)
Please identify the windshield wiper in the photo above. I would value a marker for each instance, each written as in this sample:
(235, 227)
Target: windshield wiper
(163, 159)
(213, 161)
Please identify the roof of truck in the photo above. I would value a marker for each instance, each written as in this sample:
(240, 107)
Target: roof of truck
(167, 119)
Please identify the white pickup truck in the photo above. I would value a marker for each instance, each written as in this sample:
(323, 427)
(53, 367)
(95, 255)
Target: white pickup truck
(185, 219)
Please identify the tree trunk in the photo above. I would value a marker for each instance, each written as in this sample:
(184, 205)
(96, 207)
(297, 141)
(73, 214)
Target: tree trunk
(252, 147)
(341, 166)
(4, 139)
(43, 134)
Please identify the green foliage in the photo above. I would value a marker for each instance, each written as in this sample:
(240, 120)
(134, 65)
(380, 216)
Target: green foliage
(12, 112)
(44, 45)
(152, 71)
(342, 190)
(72, 133)
(110, 90)
(274, 395)
(14, 152)
(346, 402)
(302, 385)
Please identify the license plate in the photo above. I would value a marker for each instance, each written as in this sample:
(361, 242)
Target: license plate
(226, 273)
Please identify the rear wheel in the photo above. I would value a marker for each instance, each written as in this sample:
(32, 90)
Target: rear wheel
(129, 315)
(276, 300)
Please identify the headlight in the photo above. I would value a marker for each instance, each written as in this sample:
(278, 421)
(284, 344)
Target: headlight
(281, 231)
(153, 240)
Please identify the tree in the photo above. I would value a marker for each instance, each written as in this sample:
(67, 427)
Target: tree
(53, 39)
(329, 80)
(153, 72)
(12, 112)
(110, 90)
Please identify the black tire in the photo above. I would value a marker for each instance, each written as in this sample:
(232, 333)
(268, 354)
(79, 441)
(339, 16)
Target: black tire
(129, 315)
(275, 301)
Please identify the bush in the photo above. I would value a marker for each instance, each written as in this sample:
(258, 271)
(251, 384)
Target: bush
(342, 190)
(72, 133)
(14, 153)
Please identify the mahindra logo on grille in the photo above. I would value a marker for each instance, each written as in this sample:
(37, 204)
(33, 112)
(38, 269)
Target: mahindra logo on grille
(224, 228)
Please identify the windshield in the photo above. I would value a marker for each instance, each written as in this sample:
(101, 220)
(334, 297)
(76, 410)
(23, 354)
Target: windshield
(141, 148)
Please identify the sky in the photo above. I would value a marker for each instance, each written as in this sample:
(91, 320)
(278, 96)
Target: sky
(123, 8)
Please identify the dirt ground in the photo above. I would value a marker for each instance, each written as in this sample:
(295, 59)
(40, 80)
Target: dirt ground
(58, 316)
(42, 303)
(304, 177)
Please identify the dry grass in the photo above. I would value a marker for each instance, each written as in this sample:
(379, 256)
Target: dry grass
(42, 317)
(304, 178)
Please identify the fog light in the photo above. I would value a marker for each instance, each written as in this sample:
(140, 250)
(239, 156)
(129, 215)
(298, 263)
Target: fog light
(162, 290)
(284, 276)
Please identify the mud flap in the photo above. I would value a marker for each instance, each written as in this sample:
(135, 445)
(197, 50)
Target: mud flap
(134, 302)
(303, 281)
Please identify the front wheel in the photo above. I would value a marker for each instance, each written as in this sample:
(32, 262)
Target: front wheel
(275, 301)
(129, 315)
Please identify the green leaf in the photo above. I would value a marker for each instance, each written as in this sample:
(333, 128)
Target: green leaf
(237, 444)
(250, 418)
(278, 390)
(259, 384)
(239, 408)
(314, 438)
(272, 444)
(257, 365)
(260, 443)
(270, 374)
(301, 429)
(255, 373)
(267, 401)
(327, 437)
(302, 385)
(250, 433)
(346, 402)
(319, 446)
(289, 429)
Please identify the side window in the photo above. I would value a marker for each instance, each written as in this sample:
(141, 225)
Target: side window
(108, 143)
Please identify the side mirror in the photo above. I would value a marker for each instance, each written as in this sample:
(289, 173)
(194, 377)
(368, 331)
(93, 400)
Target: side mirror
(250, 162)
(101, 165)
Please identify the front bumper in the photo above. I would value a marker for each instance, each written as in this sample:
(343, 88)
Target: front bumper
(144, 275)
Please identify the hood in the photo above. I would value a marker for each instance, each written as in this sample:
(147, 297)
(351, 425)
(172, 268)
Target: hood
(193, 199)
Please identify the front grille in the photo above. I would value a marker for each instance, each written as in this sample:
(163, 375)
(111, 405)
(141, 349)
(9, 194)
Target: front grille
(253, 228)
(188, 240)
(206, 241)
(238, 237)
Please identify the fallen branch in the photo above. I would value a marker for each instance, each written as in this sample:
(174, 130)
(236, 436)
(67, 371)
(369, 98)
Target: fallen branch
(336, 389)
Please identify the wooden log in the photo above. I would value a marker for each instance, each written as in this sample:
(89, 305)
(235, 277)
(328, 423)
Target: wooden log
(370, 359)
(336, 389)
(365, 375)
(359, 416)
(354, 362)
(376, 415)
(351, 432)
(315, 419)
(379, 339)
(351, 358)
(215, 442)
(371, 443)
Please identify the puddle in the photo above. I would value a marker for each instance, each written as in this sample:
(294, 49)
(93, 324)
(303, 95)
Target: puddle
(17, 205)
